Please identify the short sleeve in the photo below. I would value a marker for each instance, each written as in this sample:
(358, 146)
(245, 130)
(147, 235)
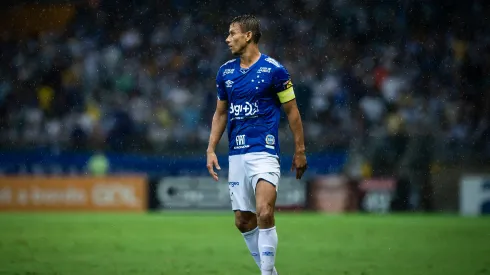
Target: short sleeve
(282, 85)
(220, 87)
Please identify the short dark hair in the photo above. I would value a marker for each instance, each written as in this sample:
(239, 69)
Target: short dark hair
(247, 23)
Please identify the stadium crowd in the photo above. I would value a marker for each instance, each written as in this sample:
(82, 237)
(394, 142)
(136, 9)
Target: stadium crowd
(140, 77)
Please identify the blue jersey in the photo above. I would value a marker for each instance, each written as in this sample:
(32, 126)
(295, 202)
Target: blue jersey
(254, 98)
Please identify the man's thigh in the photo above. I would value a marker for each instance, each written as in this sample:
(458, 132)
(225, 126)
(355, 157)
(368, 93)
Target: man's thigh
(242, 193)
(266, 196)
(262, 167)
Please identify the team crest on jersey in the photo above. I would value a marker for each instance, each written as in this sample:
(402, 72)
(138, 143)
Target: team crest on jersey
(273, 62)
(229, 83)
(228, 71)
(270, 141)
(264, 70)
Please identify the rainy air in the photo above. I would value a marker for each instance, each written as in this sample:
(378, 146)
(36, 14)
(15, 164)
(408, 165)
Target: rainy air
(213, 137)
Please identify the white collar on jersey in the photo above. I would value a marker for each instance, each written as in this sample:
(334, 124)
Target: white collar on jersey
(243, 70)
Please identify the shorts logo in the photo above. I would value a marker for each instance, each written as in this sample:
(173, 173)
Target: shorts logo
(229, 83)
(233, 183)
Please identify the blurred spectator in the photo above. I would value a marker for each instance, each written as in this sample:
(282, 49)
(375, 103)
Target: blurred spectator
(98, 165)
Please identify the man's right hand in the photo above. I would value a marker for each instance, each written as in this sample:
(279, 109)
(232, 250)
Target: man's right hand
(212, 161)
(299, 163)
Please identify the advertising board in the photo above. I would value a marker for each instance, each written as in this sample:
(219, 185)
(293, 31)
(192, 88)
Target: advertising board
(33, 193)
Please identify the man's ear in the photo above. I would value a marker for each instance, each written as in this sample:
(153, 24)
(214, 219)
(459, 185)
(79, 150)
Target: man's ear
(249, 36)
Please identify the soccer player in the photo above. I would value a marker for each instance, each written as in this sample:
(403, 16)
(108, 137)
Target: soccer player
(251, 90)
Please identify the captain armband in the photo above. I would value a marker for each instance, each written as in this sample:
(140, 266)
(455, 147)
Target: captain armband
(288, 93)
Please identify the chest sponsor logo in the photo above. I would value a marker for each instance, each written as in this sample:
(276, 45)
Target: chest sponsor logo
(241, 111)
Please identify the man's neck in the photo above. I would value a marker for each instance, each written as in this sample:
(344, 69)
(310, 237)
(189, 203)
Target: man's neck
(248, 58)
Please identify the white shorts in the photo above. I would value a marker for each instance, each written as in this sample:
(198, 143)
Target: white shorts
(245, 171)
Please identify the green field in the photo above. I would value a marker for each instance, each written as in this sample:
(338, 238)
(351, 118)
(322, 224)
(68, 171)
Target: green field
(208, 243)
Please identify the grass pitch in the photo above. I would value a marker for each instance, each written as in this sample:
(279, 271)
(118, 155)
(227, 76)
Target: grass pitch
(208, 243)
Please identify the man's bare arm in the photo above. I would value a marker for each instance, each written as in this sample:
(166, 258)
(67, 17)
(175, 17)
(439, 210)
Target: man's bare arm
(294, 118)
(296, 125)
(218, 125)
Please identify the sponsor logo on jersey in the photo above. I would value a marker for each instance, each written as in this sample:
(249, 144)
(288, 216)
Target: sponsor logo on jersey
(240, 142)
(241, 111)
(264, 70)
(228, 71)
(229, 83)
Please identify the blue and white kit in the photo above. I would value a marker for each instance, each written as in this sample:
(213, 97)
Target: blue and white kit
(254, 97)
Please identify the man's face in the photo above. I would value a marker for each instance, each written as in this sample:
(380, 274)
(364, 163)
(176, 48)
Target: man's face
(237, 40)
